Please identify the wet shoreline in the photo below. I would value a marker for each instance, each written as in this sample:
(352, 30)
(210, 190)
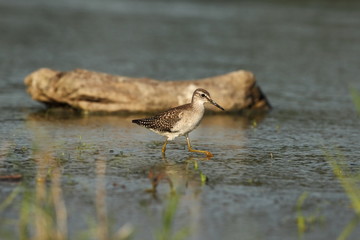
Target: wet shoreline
(273, 175)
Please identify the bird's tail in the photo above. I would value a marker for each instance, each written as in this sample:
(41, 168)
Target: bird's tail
(137, 121)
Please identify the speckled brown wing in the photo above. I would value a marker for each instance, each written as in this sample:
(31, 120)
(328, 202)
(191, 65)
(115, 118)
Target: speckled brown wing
(162, 122)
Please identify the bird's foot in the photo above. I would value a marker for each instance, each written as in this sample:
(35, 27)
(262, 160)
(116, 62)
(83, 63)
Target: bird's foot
(207, 153)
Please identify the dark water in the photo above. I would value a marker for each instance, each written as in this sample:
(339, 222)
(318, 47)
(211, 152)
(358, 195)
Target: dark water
(305, 55)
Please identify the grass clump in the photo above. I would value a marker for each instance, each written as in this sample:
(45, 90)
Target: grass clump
(355, 95)
(303, 221)
(168, 219)
(43, 214)
(350, 182)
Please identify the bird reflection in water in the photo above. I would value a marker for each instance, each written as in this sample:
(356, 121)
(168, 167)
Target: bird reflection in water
(180, 176)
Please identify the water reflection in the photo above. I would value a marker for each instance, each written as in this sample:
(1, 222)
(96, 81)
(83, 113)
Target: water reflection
(223, 135)
(182, 181)
(43, 211)
(179, 175)
(177, 184)
(69, 143)
(59, 115)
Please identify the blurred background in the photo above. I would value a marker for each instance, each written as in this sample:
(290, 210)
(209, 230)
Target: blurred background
(297, 49)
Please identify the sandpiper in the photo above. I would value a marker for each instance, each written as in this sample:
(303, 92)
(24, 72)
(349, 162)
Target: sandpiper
(181, 120)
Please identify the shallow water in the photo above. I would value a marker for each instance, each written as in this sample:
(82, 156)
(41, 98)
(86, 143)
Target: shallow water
(305, 56)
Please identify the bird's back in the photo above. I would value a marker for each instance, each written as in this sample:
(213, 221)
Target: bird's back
(163, 122)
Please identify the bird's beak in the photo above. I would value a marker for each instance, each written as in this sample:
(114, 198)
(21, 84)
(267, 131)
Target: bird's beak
(216, 105)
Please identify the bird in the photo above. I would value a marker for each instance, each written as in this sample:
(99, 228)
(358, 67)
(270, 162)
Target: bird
(180, 120)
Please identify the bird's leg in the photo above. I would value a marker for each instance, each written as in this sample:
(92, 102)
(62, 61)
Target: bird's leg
(208, 154)
(163, 149)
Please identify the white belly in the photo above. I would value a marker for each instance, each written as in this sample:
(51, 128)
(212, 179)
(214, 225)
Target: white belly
(189, 121)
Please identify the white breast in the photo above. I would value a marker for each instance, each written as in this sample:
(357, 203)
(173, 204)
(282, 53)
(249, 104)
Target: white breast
(189, 120)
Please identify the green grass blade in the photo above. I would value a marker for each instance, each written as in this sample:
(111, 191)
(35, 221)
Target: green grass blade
(7, 202)
(355, 95)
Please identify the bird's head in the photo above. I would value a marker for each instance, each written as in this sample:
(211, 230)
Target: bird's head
(203, 96)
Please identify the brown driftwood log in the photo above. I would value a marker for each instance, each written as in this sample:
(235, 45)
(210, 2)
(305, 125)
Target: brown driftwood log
(94, 91)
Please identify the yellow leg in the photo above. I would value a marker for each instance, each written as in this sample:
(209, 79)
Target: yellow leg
(208, 154)
(163, 149)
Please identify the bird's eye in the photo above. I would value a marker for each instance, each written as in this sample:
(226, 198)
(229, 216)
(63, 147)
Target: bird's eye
(202, 95)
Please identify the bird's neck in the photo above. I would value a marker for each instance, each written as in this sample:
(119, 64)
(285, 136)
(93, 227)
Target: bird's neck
(198, 106)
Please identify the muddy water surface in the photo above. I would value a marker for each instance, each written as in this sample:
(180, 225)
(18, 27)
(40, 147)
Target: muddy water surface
(305, 56)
